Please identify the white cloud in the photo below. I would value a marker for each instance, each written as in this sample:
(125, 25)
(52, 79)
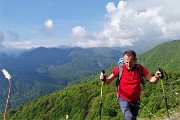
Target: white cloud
(24, 44)
(127, 23)
(122, 5)
(78, 31)
(49, 24)
(49, 27)
(110, 7)
(134, 21)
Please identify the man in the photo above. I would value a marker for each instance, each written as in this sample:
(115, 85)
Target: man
(129, 87)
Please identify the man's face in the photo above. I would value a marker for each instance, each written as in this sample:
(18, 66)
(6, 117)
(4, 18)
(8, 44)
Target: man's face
(129, 62)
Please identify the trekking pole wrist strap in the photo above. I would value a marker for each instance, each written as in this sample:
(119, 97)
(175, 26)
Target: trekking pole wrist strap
(156, 77)
(104, 79)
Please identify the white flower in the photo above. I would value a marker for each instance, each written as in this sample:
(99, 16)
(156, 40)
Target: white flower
(6, 74)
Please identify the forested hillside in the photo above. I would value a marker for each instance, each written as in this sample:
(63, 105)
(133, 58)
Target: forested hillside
(42, 70)
(166, 56)
(81, 101)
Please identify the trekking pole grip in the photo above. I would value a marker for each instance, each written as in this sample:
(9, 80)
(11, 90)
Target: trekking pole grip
(104, 76)
(161, 71)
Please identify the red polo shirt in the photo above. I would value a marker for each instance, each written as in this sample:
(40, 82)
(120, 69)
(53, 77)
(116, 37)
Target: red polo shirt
(129, 87)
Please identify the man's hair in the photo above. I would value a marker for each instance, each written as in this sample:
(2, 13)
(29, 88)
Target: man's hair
(130, 53)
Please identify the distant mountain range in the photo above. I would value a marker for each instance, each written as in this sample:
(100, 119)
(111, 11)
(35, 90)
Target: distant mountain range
(42, 70)
(81, 100)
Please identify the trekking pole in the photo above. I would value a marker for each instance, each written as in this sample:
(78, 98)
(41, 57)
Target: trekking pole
(8, 77)
(101, 103)
(164, 94)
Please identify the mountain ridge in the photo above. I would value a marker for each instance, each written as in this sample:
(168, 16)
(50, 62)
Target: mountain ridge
(81, 101)
(50, 67)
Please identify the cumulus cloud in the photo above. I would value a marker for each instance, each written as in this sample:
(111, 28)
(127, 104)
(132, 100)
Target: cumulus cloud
(133, 21)
(78, 31)
(49, 27)
(127, 23)
(48, 24)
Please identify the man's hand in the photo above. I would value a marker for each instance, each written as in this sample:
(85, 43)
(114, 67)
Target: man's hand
(102, 76)
(158, 74)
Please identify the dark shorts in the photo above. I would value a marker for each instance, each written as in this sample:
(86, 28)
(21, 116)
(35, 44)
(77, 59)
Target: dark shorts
(130, 109)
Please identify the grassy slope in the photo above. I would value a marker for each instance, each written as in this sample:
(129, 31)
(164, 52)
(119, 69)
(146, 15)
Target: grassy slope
(81, 101)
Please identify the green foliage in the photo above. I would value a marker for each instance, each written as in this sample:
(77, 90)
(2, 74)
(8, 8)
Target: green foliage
(1, 116)
(50, 68)
(164, 55)
(81, 100)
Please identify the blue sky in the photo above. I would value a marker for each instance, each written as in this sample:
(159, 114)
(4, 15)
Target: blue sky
(87, 23)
